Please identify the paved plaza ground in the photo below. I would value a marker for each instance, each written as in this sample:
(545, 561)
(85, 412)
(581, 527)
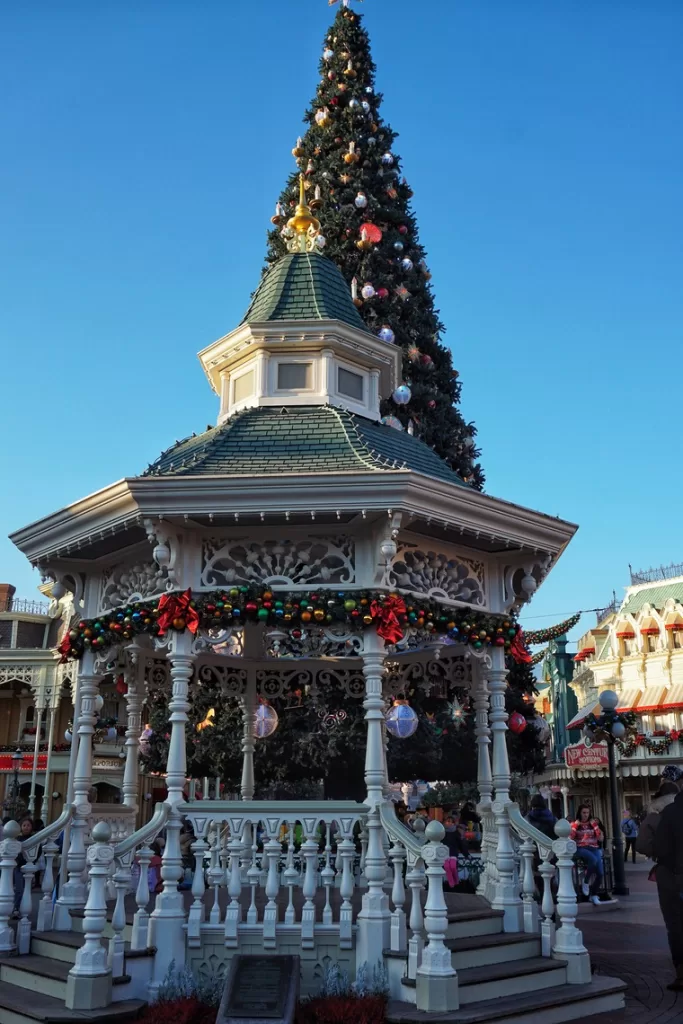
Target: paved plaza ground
(628, 941)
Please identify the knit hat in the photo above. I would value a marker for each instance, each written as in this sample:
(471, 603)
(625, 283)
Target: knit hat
(672, 773)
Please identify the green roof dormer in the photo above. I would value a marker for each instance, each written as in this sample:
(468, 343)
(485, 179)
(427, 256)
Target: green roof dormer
(303, 286)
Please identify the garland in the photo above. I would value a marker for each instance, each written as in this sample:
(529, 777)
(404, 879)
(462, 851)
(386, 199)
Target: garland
(539, 656)
(653, 744)
(389, 613)
(543, 636)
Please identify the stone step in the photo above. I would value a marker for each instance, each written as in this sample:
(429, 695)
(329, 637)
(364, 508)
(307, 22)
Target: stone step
(57, 945)
(16, 1008)
(39, 974)
(547, 1006)
(474, 922)
(494, 981)
(481, 950)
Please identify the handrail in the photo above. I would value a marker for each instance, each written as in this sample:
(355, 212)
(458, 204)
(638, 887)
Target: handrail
(46, 833)
(399, 832)
(146, 832)
(529, 831)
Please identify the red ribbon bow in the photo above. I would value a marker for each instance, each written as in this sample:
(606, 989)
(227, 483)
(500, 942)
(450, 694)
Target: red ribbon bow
(519, 650)
(385, 617)
(177, 606)
(65, 649)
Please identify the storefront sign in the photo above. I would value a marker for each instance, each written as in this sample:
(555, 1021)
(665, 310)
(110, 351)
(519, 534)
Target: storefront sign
(26, 764)
(579, 755)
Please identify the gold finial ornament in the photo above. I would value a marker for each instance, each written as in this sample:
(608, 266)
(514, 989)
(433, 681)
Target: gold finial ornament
(305, 228)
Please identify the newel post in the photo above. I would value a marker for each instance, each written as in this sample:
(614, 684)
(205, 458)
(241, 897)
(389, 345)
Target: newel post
(437, 980)
(568, 938)
(88, 985)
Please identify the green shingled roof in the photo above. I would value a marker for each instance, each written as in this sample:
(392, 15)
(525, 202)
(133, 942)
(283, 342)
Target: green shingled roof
(303, 286)
(656, 596)
(309, 439)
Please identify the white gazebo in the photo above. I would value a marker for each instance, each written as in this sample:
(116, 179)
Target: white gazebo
(300, 535)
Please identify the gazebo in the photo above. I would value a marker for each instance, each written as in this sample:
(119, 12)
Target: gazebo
(300, 535)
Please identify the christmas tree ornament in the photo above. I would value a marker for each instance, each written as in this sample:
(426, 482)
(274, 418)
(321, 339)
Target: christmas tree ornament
(517, 723)
(401, 720)
(371, 140)
(320, 241)
(402, 293)
(386, 333)
(403, 229)
(309, 167)
(351, 156)
(427, 362)
(353, 103)
(368, 89)
(328, 54)
(382, 293)
(342, 87)
(413, 353)
(407, 264)
(392, 421)
(361, 200)
(316, 201)
(387, 159)
(402, 394)
(364, 243)
(392, 193)
(372, 232)
(367, 291)
(322, 118)
(331, 75)
(279, 214)
(349, 70)
(265, 721)
(431, 404)
(334, 102)
(366, 106)
(398, 246)
(298, 150)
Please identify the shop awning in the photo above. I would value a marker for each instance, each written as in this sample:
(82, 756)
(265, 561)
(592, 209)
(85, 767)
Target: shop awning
(580, 717)
(628, 698)
(673, 699)
(651, 699)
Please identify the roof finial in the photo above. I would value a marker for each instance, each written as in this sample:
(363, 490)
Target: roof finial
(305, 227)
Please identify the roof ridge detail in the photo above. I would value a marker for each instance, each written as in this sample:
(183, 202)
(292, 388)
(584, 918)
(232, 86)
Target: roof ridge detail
(362, 451)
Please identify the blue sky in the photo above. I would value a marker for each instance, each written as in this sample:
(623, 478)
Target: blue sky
(144, 145)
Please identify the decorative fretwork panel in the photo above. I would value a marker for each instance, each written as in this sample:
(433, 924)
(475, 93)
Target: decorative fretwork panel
(313, 642)
(278, 562)
(438, 575)
(125, 584)
(19, 674)
(232, 681)
(438, 677)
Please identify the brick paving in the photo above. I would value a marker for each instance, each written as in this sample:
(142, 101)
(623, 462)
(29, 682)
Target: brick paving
(628, 941)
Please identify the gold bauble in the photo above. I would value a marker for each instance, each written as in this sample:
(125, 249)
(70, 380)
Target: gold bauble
(297, 152)
(364, 244)
(349, 158)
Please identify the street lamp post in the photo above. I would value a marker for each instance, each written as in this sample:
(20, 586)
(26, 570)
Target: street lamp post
(610, 726)
(11, 803)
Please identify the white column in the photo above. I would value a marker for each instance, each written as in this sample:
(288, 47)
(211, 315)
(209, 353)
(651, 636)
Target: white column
(327, 373)
(47, 798)
(496, 677)
(73, 892)
(483, 736)
(374, 918)
(182, 664)
(37, 721)
(134, 696)
(248, 703)
(437, 981)
(373, 398)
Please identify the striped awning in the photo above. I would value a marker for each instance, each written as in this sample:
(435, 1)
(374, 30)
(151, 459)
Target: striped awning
(580, 717)
(628, 698)
(673, 699)
(652, 699)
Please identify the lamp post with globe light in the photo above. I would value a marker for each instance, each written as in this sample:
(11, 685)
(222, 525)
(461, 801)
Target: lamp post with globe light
(611, 727)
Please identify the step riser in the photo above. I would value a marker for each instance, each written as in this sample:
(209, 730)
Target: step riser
(496, 954)
(33, 982)
(53, 950)
(585, 1008)
(77, 925)
(11, 1017)
(470, 929)
(483, 991)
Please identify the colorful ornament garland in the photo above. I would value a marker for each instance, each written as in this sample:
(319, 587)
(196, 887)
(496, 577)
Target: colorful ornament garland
(543, 636)
(389, 613)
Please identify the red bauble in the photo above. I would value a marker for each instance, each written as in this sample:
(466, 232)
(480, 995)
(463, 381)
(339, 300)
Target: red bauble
(334, 102)
(372, 232)
(431, 403)
(517, 723)
(403, 229)
(332, 75)
(251, 607)
(382, 293)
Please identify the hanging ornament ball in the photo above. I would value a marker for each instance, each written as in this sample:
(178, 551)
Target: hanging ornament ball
(361, 200)
(382, 293)
(407, 264)
(332, 75)
(367, 291)
(68, 736)
(386, 333)
(403, 229)
(543, 729)
(401, 720)
(372, 141)
(393, 422)
(328, 54)
(322, 117)
(398, 246)
(368, 89)
(320, 241)
(265, 721)
(387, 159)
(366, 106)
(517, 723)
(431, 403)
(402, 394)
(353, 103)
(372, 232)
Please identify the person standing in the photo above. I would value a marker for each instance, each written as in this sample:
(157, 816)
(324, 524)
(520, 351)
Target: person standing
(668, 852)
(541, 817)
(665, 795)
(629, 826)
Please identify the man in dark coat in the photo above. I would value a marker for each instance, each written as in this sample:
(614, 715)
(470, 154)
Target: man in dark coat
(668, 852)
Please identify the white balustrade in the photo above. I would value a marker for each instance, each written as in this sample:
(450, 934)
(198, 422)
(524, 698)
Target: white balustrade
(10, 847)
(399, 938)
(45, 907)
(142, 894)
(91, 958)
(24, 926)
(117, 945)
(196, 915)
(527, 851)
(547, 870)
(568, 938)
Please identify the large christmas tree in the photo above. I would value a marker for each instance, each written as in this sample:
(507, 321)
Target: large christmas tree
(353, 179)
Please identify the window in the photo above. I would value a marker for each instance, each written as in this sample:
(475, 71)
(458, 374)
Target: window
(293, 376)
(650, 644)
(350, 384)
(244, 386)
(627, 646)
(677, 638)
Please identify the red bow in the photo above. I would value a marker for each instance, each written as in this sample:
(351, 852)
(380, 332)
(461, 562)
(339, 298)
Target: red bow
(177, 606)
(519, 650)
(65, 648)
(385, 617)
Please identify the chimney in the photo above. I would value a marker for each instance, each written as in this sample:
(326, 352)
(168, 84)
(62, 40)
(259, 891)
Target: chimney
(7, 592)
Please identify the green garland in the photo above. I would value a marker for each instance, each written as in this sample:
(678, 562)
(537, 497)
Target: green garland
(235, 606)
(543, 636)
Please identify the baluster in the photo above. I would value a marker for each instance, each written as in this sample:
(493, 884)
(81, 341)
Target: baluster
(271, 852)
(568, 938)
(215, 873)
(246, 852)
(437, 981)
(141, 918)
(362, 880)
(233, 914)
(196, 915)
(309, 851)
(291, 877)
(118, 921)
(327, 876)
(346, 850)
(416, 883)
(530, 909)
(26, 906)
(253, 876)
(10, 847)
(45, 908)
(399, 938)
(91, 958)
(547, 906)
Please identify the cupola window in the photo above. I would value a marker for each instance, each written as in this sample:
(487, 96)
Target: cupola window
(244, 386)
(350, 384)
(293, 376)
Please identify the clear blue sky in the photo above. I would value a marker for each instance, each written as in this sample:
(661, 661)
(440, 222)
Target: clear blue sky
(144, 143)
